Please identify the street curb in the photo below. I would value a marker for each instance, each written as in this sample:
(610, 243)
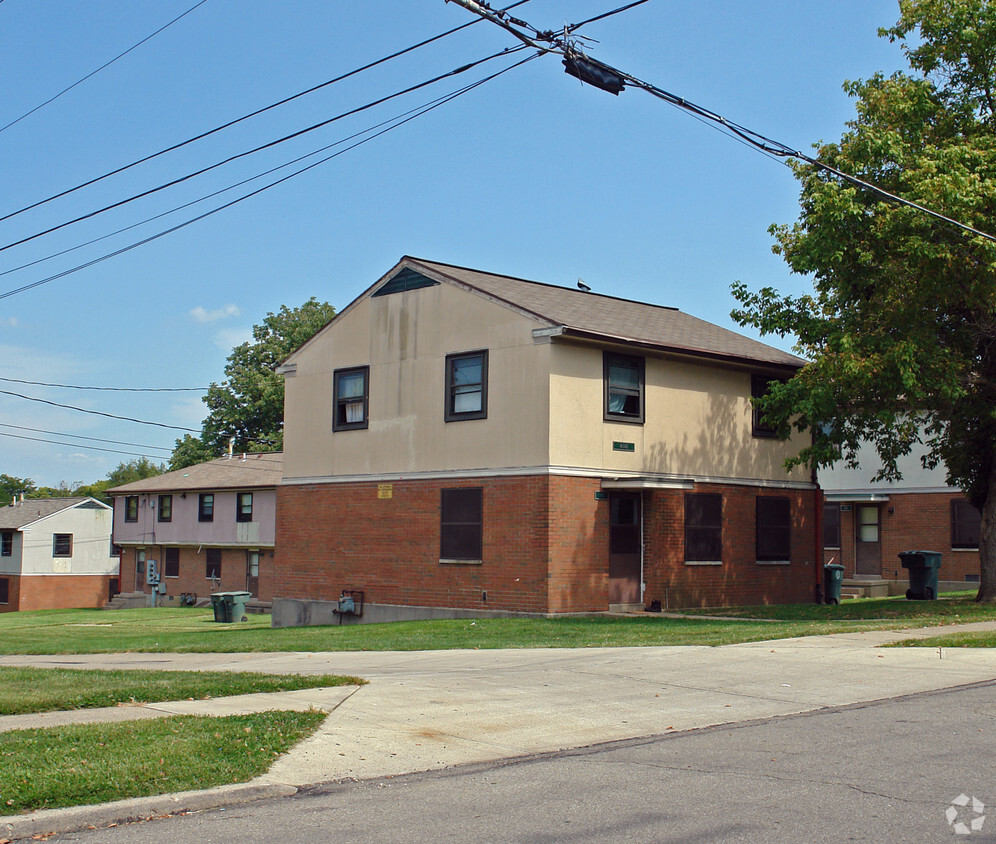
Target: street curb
(102, 815)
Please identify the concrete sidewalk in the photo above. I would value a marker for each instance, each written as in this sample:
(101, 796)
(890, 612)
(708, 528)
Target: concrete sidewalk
(433, 709)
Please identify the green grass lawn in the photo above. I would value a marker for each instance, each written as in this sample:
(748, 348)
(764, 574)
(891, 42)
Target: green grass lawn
(982, 639)
(25, 690)
(194, 631)
(95, 763)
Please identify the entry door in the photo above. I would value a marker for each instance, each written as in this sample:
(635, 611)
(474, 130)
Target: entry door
(252, 572)
(868, 545)
(625, 541)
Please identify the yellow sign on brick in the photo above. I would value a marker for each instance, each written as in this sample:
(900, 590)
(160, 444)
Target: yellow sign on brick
(385, 490)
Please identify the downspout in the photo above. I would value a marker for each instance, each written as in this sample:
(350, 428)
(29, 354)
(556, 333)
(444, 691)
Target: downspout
(818, 539)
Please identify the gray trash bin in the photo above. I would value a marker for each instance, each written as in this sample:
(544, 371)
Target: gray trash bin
(222, 609)
(236, 603)
(922, 566)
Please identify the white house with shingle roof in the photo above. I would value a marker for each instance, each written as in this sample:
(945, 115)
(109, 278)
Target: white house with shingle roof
(56, 553)
(205, 528)
(470, 441)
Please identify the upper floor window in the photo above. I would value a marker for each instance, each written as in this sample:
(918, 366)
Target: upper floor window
(165, 508)
(205, 507)
(759, 385)
(243, 509)
(467, 386)
(131, 508)
(773, 529)
(62, 545)
(965, 525)
(703, 527)
(351, 396)
(7, 543)
(624, 387)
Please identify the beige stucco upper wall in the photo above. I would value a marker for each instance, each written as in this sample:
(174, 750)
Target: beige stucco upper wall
(545, 401)
(405, 338)
(697, 421)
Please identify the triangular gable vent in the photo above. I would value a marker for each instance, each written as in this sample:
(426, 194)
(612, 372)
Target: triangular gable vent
(406, 279)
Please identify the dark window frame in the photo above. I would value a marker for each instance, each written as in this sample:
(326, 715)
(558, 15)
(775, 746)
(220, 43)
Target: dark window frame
(62, 545)
(242, 514)
(451, 414)
(4, 590)
(965, 525)
(461, 539)
(164, 508)
(140, 562)
(171, 562)
(205, 507)
(773, 529)
(7, 543)
(637, 362)
(759, 386)
(212, 563)
(340, 403)
(131, 508)
(831, 526)
(703, 527)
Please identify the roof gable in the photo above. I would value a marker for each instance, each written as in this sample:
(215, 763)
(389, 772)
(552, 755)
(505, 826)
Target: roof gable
(31, 510)
(246, 471)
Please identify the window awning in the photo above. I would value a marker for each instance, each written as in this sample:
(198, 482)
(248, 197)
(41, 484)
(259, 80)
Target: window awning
(648, 483)
(855, 497)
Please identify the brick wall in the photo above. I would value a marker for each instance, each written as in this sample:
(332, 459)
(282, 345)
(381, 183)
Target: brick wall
(918, 522)
(193, 572)
(13, 593)
(545, 547)
(54, 592)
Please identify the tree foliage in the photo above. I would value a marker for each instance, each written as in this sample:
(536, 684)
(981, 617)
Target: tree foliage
(901, 326)
(249, 404)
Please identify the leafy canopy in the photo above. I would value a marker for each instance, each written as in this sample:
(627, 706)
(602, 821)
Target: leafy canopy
(901, 326)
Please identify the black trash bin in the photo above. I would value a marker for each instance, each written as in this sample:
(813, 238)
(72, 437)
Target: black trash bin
(833, 578)
(922, 566)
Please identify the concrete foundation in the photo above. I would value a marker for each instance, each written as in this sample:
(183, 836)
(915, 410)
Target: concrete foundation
(291, 612)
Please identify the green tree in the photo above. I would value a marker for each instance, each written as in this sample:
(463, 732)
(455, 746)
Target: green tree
(11, 486)
(901, 326)
(249, 404)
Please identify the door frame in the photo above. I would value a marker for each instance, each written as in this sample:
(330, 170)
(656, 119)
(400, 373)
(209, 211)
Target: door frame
(637, 496)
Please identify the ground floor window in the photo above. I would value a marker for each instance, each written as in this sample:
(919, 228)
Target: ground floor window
(213, 567)
(171, 562)
(831, 526)
(140, 563)
(461, 524)
(965, 525)
(703, 527)
(773, 534)
(4, 590)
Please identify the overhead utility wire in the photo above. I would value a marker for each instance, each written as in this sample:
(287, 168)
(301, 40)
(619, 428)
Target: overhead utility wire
(81, 437)
(433, 105)
(252, 114)
(268, 145)
(205, 197)
(109, 389)
(99, 412)
(612, 79)
(81, 445)
(106, 64)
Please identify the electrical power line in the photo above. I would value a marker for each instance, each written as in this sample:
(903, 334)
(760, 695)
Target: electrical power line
(424, 110)
(110, 389)
(612, 79)
(81, 445)
(81, 437)
(106, 64)
(252, 114)
(98, 412)
(260, 148)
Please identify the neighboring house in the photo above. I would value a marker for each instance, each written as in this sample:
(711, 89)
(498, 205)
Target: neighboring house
(206, 528)
(56, 553)
(468, 441)
(866, 525)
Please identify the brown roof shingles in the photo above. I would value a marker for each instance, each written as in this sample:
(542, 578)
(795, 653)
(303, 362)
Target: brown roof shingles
(15, 516)
(238, 472)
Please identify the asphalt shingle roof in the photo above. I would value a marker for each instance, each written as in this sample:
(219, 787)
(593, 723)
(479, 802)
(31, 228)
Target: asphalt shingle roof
(239, 472)
(610, 318)
(15, 516)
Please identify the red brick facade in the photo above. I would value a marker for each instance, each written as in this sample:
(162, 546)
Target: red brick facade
(545, 547)
(56, 592)
(909, 522)
(193, 577)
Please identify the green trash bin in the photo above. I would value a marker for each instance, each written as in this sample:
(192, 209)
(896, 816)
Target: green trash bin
(222, 608)
(833, 578)
(236, 605)
(922, 566)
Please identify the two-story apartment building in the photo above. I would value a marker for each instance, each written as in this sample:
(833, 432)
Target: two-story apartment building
(466, 441)
(56, 553)
(202, 529)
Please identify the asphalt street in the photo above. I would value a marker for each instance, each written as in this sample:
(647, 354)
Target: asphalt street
(886, 771)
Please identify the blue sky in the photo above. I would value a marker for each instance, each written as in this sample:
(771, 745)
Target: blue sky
(531, 175)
